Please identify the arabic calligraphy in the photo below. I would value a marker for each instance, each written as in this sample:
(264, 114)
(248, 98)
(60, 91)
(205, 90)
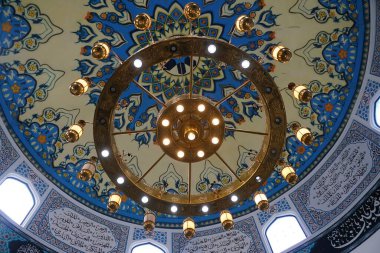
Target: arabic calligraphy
(230, 241)
(342, 177)
(80, 232)
(362, 220)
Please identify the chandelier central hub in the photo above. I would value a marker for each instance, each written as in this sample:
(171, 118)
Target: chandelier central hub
(190, 129)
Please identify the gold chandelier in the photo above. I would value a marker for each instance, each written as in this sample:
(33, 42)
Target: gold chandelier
(190, 128)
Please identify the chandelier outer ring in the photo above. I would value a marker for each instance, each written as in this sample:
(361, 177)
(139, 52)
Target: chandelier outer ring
(160, 201)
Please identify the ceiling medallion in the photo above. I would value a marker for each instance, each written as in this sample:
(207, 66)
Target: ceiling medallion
(190, 128)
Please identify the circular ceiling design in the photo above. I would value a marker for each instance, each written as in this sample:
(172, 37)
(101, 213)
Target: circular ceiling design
(43, 51)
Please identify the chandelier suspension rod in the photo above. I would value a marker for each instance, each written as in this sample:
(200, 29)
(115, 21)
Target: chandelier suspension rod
(136, 131)
(116, 56)
(154, 164)
(245, 131)
(191, 77)
(233, 172)
(149, 93)
(232, 93)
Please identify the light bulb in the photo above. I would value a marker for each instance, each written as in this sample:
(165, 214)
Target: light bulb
(166, 141)
(180, 108)
(105, 153)
(174, 209)
(137, 63)
(200, 153)
(165, 122)
(120, 180)
(201, 107)
(234, 198)
(180, 154)
(245, 64)
(144, 199)
(191, 136)
(215, 140)
(215, 121)
(205, 209)
(211, 49)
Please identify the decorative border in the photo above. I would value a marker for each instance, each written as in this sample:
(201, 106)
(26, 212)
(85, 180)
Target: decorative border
(316, 219)
(24, 170)
(8, 154)
(140, 234)
(365, 103)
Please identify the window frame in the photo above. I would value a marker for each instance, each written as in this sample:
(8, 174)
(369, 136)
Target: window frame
(145, 242)
(275, 217)
(32, 191)
(372, 111)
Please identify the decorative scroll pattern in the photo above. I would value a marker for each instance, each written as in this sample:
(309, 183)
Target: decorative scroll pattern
(63, 218)
(140, 234)
(278, 207)
(316, 216)
(245, 229)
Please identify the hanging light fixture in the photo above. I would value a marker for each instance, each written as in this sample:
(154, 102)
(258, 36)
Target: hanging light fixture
(100, 50)
(188, 228)
(88, 169)
(143, 21)
(261, 200)
(303, 134)
(192, 11)
(149, 221)
(75, 131)
(280, 53)
(289, 174)
(301, 92)
(114, 202)
(80, 86)
(244, 23)
(226, 220)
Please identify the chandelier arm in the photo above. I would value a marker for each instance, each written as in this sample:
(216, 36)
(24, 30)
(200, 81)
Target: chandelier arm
(245, 131)
(117, 56)
(189, 189)
(232, 34)
(229, 168)
(149, 93)
(191, 77)
(232, 93)
(136, 131)
(154, 164)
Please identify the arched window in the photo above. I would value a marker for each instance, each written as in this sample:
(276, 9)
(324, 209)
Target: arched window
(147, 247)
(16, 199)
(377, 112)
(283, 233)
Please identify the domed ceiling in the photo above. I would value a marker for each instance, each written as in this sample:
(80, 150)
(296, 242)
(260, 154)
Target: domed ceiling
(45, 46)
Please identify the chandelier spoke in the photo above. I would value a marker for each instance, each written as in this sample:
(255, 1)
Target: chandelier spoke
(136, 131)
(225, 163)
(149, 93)
(232, 93)
(154, 164)
(246, 131)
(189, 189)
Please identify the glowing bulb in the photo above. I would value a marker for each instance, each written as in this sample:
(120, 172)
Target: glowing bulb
(215, 140)
(120, 180)
(201, 107)
(205, 209)
(191, 136)
(200, 153)
(245, 64)
(165, 122)
(174, 209)
(180, 154)
(137, 63)
(166, 141)
(144, 199)
(105, 153)
(215, 121)
(180, 108)
(211, 49)
(234, 198)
